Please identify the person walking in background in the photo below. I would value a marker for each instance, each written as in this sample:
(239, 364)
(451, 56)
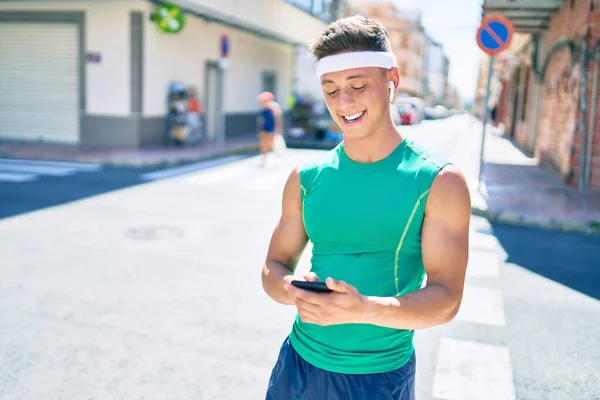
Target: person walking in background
(269, 123)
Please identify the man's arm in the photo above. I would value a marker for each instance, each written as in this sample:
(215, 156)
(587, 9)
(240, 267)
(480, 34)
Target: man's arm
(287, 243)
(445, 248)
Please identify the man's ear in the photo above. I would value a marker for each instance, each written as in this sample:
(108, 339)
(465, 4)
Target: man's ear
(393, 77)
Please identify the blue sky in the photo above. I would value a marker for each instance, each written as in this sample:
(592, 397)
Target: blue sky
(453, 23)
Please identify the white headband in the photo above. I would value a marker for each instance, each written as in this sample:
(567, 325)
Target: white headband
(360, 59)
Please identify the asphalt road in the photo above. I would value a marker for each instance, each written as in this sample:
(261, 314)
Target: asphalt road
(153, 291)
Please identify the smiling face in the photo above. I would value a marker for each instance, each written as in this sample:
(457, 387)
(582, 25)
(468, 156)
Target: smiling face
(358, 99)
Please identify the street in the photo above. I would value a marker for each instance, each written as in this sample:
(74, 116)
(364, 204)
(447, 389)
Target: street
(145, 284)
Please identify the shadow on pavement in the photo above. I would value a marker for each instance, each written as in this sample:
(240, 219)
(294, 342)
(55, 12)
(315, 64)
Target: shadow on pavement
(52, 191)
(570, 259)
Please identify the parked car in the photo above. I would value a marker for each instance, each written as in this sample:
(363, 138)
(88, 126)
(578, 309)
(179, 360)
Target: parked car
(408, 115)
(417, 105)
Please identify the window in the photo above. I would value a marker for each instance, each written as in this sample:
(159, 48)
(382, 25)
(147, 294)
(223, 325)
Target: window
(302, 4)
(269, 82)
(318, 8)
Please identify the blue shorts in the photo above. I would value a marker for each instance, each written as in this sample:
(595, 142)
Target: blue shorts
(294, 378)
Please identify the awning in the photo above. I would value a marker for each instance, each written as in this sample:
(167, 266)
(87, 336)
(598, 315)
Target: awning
(528, 16)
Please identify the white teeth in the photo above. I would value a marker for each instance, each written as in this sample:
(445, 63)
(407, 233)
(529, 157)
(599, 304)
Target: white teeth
(353, 117)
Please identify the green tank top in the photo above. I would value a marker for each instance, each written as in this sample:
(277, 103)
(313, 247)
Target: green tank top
(364, 221)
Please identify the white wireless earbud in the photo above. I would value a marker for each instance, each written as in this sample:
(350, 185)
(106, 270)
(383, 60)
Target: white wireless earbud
(391, 91)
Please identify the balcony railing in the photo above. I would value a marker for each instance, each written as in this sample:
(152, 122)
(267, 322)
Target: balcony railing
(321, 9)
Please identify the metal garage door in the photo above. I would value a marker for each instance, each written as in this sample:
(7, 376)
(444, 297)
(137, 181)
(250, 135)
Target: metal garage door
(39, 82)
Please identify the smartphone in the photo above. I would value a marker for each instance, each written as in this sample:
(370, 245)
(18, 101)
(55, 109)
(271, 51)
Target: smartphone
(317, 287)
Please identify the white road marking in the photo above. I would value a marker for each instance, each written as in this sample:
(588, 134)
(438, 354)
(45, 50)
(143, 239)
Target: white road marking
(75, 165)
(481, 241)
(17, 177)
(483, 264)
(473, 371)
(482, 305)
(37, 169)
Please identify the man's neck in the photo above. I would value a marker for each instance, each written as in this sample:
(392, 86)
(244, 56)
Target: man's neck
(373, 147)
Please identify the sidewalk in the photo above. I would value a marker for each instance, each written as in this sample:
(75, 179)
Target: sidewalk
(131, 157)
(517, 190)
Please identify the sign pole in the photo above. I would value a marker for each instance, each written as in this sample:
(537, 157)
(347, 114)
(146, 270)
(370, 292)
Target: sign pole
(485, 118)
(493, 36)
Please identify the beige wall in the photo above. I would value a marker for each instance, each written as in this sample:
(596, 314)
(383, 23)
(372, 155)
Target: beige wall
(183, 57)
(272, 15)
(307, 82)
(108, 83)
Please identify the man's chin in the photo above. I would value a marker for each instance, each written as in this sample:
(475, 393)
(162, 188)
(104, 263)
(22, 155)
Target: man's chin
(355, 134)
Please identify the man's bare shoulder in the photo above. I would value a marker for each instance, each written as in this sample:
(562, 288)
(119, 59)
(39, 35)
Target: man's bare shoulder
(449, 191)
(294, 175)
(293, 181)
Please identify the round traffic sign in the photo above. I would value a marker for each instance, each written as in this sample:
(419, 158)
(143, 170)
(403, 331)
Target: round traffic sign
(495, 34)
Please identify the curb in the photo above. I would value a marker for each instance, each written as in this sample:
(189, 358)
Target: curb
(171, 162)
(514, 219)
(308, 145)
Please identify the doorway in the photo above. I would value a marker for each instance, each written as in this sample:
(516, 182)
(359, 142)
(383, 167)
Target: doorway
(213, 96)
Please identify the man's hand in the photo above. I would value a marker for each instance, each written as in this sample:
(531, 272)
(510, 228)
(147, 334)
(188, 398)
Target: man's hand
(287, 282)
(345, 305)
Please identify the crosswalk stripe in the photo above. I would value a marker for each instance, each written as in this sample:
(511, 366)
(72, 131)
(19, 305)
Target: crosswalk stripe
(186, 169)
(473, 371)
(482, 305)
(481, 241)
(75, 165)
(17, 177)
(37, 169)
(483, 264)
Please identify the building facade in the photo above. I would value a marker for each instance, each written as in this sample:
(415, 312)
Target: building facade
(549, 94)
(437, 73)
(408, 39)
(96, 73)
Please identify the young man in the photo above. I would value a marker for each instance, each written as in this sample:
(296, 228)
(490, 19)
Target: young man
(381, 213)
(269, 123)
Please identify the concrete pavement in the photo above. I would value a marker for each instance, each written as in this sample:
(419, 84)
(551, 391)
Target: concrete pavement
(28, 185)
(153, 292)
(156, 156)
(515, 189)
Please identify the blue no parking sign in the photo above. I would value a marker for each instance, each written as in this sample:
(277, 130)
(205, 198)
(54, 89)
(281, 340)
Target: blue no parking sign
(495, 34)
